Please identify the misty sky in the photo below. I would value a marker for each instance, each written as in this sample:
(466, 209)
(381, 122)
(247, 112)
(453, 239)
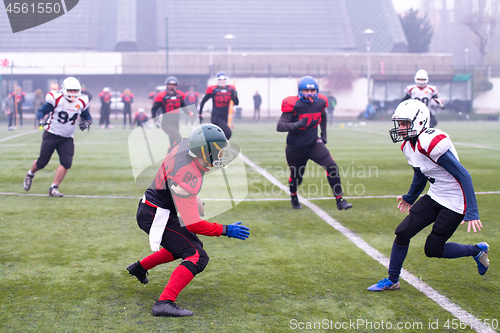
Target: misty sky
(404, 5)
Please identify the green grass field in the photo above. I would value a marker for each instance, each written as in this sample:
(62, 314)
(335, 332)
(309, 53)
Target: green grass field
(63, 260)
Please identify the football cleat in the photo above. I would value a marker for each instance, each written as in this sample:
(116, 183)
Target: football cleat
(138, 271)
(27, 182)
(169, 309)
(54, 192)
(342, 204)
(482, 258)
(295, 202)
(384, 284)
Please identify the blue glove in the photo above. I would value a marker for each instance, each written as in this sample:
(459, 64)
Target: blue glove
(236, 230)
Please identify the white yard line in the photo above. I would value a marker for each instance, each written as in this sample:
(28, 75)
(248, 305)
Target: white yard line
(17, 135)
(441, 300)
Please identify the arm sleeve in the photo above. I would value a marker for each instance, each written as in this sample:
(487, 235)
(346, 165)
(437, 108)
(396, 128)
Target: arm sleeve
(323, 124)
(407, 97)
(417, 186)
(234, 97)
(188, 209)
(155, 106)
(46, 109)
(285, 122)
(86, 115)
(453, 166)
(204, 100)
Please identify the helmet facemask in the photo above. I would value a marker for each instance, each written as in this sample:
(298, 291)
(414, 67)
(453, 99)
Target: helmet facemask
(71, 89)
(416, 114)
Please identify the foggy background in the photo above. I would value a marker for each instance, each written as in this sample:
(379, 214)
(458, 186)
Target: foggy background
(265, 46)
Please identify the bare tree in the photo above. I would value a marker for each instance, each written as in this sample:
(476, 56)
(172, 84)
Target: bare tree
(481, 19)
(483, 26)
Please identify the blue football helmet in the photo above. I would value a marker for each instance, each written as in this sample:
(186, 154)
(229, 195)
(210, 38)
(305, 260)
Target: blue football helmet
(221, 79)
(308, 82)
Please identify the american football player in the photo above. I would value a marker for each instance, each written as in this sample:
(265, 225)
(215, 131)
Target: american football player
(169, 102)
(221, 94)
(450, 201)
(425, 93)
(300, 118)
(174, 190)
(127, 100)
(64, 107)
(105, 97)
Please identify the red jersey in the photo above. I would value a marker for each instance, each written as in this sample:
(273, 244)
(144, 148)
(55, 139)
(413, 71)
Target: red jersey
(181, 171)
(127, 98)
(191, 97)
(169, 103)
(304, 137)
(105, 97)
(221, 99)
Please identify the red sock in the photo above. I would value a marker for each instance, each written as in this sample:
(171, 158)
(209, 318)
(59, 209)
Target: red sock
(181, 276)
(157, 258)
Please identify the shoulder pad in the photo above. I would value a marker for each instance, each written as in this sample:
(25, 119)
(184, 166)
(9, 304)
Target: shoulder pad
(180, 93)
(210, 89)
(230, 86)
(434, 143)
(159, 96)
(53, 96)
(288, 103)
(84, 99)
(323, 97)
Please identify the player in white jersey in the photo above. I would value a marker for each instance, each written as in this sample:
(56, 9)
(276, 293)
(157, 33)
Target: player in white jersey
(63, 108)
(449, 202)
(425, 93)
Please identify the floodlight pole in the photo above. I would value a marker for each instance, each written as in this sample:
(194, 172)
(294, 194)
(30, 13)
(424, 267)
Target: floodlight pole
(368, 40)
(229, 39)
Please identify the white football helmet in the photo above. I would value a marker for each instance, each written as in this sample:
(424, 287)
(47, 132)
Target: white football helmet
(71, 89)
(416, 113)
(421, 78)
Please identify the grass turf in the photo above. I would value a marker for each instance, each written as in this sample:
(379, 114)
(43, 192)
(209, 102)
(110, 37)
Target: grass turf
(62, 261)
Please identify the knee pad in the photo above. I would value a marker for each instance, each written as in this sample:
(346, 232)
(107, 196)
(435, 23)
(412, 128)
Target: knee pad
(434, 248)
(42, 162)
(199, 266)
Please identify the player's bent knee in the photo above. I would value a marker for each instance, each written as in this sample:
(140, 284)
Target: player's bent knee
(41, 163)
(433, 250)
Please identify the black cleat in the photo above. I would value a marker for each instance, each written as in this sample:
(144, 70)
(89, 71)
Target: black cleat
(342, 204)
(295, 202)
(138, 271)
(169, 309)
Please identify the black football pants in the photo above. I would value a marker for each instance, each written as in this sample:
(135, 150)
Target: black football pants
(297, 160)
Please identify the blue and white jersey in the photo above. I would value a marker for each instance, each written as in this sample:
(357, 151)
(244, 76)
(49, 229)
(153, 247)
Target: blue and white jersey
(444, 188)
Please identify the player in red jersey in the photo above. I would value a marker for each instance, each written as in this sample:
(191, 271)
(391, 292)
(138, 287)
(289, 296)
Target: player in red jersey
(127, 100)
(222, 94)
(170, 101)
(174, 190)
(191, 98)
(300, 118)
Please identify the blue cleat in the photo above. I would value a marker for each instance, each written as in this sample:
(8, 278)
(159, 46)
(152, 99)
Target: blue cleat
(384, 284)
(482, 258)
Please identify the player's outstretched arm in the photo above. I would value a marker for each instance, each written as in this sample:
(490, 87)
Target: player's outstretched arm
(236, 230)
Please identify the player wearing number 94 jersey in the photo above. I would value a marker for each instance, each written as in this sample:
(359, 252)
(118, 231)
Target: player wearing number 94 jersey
(63, 108)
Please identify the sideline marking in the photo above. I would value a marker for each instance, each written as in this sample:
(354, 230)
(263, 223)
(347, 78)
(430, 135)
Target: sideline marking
(443, 301)
(18, 135)
(210, 199)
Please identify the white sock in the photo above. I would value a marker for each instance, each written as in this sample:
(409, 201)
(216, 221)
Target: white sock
(53, 185)
(30, 173)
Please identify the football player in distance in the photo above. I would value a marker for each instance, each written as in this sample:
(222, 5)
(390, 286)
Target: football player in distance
(64, 107)
(449, 202)
(300, 118)
(425, 93)
(174, 191)
(169, 102)
(221, 94)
